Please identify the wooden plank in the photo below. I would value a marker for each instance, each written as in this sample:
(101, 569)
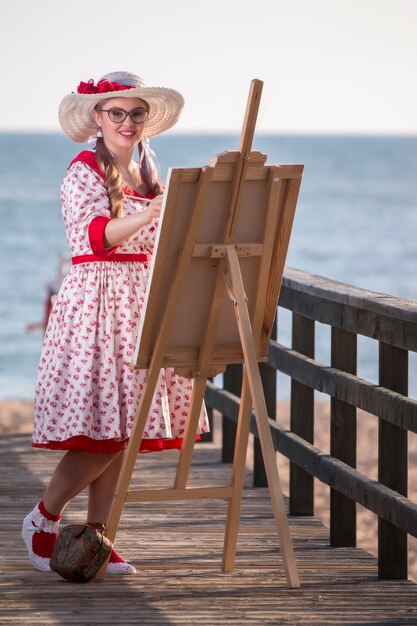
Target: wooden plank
(392, 465)
(224, 164)
(222, 355)
(177, 584)
(389, 405)
(196, 493)
(335, 291)
(225, 168)
(361, 321)
(343, 440)
(218, 251)
(225, 172)
(302, 418)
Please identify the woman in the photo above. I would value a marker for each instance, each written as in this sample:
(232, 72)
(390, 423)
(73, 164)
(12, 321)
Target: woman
(86, 394)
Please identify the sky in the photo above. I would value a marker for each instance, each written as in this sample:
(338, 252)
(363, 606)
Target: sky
(328, 66)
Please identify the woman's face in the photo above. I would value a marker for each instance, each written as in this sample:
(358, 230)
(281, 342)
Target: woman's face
(125, 134)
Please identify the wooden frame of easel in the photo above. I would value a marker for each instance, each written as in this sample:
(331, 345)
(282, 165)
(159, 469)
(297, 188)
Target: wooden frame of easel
(243, 277)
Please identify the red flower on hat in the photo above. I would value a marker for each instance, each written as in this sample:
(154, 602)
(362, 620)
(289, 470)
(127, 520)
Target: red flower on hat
(103, 86)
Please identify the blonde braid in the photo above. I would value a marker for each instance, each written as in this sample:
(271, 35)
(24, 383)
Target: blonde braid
(148, 168)
(114, 179)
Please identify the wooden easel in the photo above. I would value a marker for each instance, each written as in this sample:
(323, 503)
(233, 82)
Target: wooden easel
(239, 280)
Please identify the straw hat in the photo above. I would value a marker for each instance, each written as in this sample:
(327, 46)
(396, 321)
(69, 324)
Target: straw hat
(75, 111)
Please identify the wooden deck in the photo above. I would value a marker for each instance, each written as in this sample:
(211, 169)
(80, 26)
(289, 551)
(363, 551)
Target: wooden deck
(177, 548)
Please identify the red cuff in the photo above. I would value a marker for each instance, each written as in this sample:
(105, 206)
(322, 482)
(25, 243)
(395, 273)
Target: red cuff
(96, 237)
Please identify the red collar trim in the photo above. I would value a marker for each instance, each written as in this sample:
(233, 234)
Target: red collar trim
(90, 159)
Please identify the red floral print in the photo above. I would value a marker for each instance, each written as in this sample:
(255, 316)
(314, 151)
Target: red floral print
(86, 390)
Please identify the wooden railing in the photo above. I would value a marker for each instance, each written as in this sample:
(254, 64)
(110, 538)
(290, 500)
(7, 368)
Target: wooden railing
(349, 312)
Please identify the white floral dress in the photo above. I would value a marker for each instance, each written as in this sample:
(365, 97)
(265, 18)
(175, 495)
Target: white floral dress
(86, 394)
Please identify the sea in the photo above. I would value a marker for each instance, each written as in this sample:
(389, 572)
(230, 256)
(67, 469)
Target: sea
(356, 222)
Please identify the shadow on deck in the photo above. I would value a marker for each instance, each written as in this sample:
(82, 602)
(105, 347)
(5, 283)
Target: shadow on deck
(177, 547)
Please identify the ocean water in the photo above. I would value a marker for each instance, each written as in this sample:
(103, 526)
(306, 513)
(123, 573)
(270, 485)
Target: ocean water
(356, 221)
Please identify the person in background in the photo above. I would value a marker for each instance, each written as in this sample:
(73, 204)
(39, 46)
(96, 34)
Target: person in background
(52, 288)
(87, 395)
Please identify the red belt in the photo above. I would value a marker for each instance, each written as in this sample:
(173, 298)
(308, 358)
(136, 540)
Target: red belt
(124, 258)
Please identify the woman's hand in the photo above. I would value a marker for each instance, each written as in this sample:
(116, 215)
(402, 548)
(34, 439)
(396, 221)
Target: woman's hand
(121, 228)
(154, 209)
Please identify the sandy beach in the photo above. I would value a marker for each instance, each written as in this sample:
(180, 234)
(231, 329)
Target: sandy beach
(16, 417)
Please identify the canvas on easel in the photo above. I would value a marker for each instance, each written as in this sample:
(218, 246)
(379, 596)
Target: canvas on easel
(211, 301)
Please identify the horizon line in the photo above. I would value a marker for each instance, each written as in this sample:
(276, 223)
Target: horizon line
(234, 132)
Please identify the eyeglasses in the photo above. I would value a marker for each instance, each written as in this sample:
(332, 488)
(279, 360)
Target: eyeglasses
(117, 116)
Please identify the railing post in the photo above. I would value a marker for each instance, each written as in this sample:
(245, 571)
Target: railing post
(392, 464)
(343, 440)
(232, 381)
(302, 419)
(269, 384)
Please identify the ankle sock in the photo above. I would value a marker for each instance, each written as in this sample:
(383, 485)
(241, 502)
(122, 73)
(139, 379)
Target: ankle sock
(115, 558)
(45, 513)
(43, 542)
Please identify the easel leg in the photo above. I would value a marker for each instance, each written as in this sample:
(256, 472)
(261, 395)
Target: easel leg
(184, 462)
(238, 475)
(130, 460)
(268, 451)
